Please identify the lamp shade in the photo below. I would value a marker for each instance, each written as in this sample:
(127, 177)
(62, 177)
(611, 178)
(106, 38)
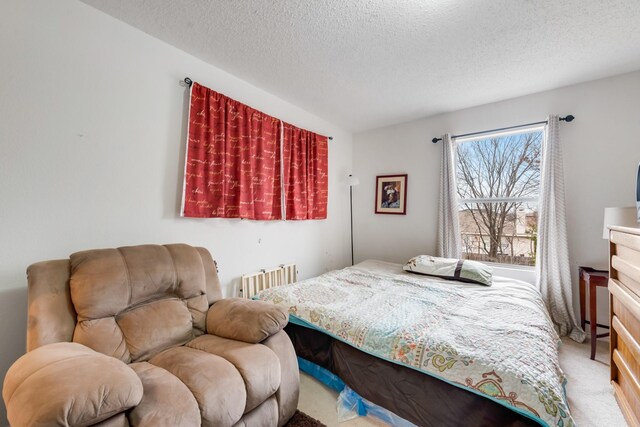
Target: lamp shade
(352, 180)
(623, 217)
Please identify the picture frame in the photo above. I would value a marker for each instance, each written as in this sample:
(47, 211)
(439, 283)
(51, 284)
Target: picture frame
(391, 194)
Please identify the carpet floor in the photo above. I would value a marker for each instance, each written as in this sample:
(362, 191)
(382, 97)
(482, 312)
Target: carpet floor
(590, 394)
(300, 419)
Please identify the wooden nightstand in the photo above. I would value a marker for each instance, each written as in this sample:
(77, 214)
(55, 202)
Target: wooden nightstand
(592, 278)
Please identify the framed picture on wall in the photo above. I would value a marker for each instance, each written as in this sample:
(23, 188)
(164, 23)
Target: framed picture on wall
(391, 194)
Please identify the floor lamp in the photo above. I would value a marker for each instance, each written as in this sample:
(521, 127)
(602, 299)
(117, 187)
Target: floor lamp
(352, 181)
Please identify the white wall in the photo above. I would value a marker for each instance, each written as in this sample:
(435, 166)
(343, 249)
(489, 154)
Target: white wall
(601, 153)
(92, 125)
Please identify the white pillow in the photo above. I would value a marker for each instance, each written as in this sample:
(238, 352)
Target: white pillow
(461, 270)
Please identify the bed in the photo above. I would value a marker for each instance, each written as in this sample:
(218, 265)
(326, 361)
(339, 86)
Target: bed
(435, 352)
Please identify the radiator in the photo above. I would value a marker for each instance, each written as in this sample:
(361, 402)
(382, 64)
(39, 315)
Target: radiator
(253, 283)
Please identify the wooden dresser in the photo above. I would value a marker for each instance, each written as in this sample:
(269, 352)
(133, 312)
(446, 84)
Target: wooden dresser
(624, 287)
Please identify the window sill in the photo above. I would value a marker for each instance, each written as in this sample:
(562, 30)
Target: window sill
(509, 266)
(524, 273)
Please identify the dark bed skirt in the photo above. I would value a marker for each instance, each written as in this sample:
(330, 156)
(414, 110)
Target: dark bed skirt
(419, 398)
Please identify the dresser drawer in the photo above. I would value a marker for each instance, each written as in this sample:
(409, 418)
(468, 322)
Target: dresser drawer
(625, 304)
(627, 390)
(627, 346)
(626, 272)
(625, 238)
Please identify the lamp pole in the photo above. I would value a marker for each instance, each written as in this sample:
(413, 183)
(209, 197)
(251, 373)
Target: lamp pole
(351, 209)
(352, 180)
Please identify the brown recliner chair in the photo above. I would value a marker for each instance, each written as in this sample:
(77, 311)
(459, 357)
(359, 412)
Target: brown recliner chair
(141, 336)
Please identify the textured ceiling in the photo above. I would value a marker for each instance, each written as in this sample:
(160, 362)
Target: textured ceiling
(366, 64)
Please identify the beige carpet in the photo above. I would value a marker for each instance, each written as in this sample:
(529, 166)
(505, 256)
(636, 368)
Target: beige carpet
(589, 391)
(590, 394)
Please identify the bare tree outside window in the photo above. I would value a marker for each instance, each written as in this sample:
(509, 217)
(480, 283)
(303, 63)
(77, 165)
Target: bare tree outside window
(498, 185)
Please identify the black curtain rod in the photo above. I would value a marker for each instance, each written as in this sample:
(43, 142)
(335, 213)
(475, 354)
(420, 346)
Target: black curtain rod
(568, 118)
(189, 82)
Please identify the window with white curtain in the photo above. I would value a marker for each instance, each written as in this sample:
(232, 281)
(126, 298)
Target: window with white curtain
(498, 178)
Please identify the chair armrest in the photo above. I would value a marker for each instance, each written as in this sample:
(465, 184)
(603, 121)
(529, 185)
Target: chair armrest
(246, 320)
(68, 383)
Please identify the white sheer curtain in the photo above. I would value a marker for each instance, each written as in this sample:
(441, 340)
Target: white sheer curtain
(449, 243)
(552, 264)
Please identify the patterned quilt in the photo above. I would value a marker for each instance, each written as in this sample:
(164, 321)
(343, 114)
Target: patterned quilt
(497, 341)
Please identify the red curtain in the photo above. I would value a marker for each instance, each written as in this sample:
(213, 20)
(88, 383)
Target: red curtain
(305, 173)
(233, 160)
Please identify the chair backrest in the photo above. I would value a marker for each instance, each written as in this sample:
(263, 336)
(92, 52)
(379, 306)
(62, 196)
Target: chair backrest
(129, 302)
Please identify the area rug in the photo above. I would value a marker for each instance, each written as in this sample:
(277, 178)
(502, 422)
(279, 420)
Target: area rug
(300, 419)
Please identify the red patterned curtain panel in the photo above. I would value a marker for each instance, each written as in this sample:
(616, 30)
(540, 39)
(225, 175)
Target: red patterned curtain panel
(233, 160)
(233, 163)
(305, 174)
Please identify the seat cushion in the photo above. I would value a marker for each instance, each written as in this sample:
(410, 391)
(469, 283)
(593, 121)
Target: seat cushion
(167, 402)
(150, 328)
(119, 420)
(264, 415)
(214, 382)
(258, 365)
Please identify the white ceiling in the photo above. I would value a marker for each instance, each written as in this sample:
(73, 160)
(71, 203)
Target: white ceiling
(364, 64)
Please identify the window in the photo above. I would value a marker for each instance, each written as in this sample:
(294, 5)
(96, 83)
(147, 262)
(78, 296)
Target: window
(498, 179)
